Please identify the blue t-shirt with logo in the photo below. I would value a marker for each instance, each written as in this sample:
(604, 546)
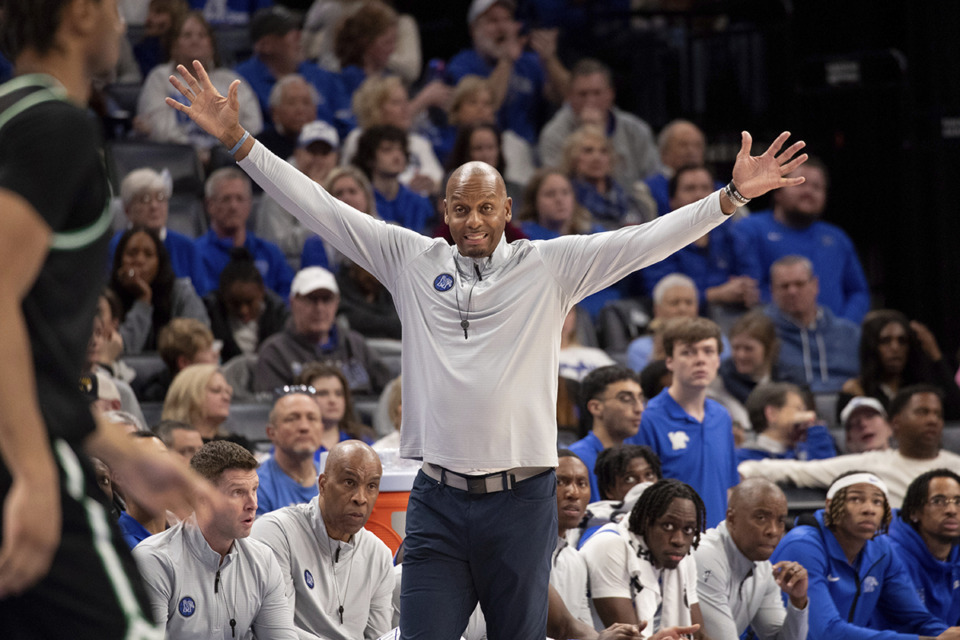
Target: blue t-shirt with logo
(698, 453)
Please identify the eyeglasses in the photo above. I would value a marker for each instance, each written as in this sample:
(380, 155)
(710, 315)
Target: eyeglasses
(941, 502)
(147, 198)
(289, 389)
(626, 398)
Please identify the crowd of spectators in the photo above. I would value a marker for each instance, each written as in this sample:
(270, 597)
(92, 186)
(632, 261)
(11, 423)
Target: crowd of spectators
(755, 353)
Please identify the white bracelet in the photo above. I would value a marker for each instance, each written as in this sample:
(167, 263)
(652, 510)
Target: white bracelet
(236, 147)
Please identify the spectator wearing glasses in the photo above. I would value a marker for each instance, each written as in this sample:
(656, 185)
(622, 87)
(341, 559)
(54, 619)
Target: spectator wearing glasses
(312, 335)
(294, 427)
(611, 404)
(145, 195)
(852, 571)
(925, 535)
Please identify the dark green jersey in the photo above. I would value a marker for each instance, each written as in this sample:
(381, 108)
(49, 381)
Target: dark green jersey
(51, 155)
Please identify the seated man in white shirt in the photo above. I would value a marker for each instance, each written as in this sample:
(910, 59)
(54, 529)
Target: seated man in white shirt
(640, 568)
(338, 575)
(737, 585)
(205, 579)
(568, 571)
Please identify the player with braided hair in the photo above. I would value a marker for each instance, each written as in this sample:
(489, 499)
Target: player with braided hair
(641, 565)
(853, 572)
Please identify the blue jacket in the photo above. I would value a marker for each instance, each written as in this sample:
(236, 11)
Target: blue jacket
(843, 285)
(937, 583)
(844, 597)
(698, 453)
(825, 354)
(818, 445)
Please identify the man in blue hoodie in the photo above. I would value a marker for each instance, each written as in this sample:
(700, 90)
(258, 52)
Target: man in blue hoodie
(852, 572)
(813, 340)
(926, 537)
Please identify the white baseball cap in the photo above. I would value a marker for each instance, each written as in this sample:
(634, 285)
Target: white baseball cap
(313, 279)
(480, 7)
(318, 131)
(858, 403)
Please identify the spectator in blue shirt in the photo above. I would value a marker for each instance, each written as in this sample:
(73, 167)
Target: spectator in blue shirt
(714, 262)
(611, 406)
(794, 227)
(784, 425)
(229, 199)
(145, 195)
(690, 433)
(275, 34)
(926, 537)
(522, 81)
(382, 155)
(289, 476)
(852, 571)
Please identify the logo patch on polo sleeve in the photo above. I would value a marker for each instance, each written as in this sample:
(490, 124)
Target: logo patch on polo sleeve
(443, 282)
(187, 607)
(308, 578)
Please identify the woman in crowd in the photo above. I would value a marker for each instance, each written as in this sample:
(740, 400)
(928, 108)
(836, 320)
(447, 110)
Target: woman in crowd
(551, 210)
(482, 141)
(472, 103)
(200, 396)
(894, 353)
(349, 185)
(142, 277)
(243, 312)
(336, 405)
(193, 39)
(384, 100)
(753, 360)
(325, 19)
(588, 160)
(365, 43)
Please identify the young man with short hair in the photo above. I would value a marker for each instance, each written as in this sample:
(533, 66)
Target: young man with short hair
(925, 535)
(611, 403)
(568, 571)
(785, 427)
(382, 155)
(692, 434)
(205, 577)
